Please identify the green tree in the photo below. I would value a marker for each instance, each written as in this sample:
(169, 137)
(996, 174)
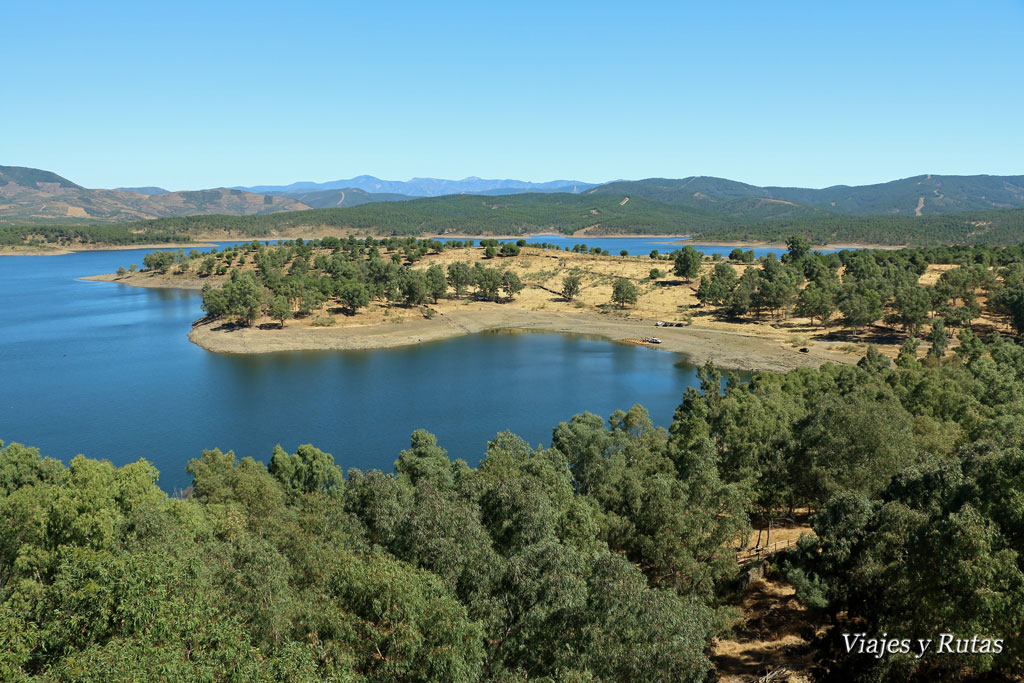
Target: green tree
(413, 285)
(912, 305)
(937, 337)
(215, 302)
(353, 296)
(244, 296)
(718, 288)
(687, 263)
(158, 261)
(308, 470)
(624, 292)
(425, 461)
(817, 301)
(860, 307)
(797, 247)
(571, 286)
(459, 277)
(279, 309)
(511, 284)
(437, 285)
(487, 281)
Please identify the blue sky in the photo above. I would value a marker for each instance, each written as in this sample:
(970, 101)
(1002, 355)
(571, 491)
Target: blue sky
(188, 95)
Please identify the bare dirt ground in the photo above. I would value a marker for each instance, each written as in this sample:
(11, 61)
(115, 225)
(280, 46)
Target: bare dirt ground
(771, 638)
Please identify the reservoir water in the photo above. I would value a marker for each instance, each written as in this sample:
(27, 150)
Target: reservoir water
(106, 370)
(641, 246)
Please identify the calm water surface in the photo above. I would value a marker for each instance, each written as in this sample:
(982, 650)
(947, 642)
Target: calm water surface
(641, 246)
(107, 370)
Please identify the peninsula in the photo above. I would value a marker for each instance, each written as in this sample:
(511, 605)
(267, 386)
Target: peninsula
(736, 313)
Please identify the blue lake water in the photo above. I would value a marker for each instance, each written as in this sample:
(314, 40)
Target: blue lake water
(107, 370)
(640, 246)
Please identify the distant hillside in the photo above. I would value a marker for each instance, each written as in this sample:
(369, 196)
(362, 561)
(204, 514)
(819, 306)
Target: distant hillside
(34, 178)
(462, 214)
(33, 196)
(918, 196)
(427, 187)
(144, 190)
(596, 215)
(349, 196)
(580, 215)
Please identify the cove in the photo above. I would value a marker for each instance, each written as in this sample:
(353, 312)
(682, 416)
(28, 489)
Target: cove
(107, 371)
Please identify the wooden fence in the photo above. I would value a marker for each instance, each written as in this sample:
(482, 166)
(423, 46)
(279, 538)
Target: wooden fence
(754, 554)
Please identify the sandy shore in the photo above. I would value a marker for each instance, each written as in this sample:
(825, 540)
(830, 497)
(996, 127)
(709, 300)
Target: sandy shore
(152, 280)
(724, 349)
(57, 251)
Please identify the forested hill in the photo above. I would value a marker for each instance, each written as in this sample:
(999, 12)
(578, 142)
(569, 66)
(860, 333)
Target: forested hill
(565, 214)
(34, 178)
(919, 195)
(706, 208)
(343, 197)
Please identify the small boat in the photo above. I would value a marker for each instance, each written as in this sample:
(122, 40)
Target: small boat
(643, 341)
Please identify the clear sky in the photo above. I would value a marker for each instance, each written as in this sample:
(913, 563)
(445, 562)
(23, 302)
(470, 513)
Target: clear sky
(188, 95)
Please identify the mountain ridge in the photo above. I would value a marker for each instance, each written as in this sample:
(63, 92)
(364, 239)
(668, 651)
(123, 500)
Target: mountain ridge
(926, 194)
(425, 187)
(35, 196)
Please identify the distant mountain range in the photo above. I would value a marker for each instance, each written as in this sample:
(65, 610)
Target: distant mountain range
(426, 187)
(917, 196)
(349, 196)
(144, 190)
(29, 195)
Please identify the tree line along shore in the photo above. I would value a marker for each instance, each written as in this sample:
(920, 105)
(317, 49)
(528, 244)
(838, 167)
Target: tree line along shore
(334, 292)
(610, 554)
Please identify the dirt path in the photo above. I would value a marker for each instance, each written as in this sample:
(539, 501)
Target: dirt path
(770, 640)
(623, 202)
(920, 205)
(342, 200)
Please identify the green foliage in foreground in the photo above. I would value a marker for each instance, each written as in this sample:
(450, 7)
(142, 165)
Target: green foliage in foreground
(603, 557)
(516, 569)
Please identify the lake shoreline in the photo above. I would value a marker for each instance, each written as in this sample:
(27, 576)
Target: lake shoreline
(727, 349)
(723, 349)
(207, 241)
(61, 251)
